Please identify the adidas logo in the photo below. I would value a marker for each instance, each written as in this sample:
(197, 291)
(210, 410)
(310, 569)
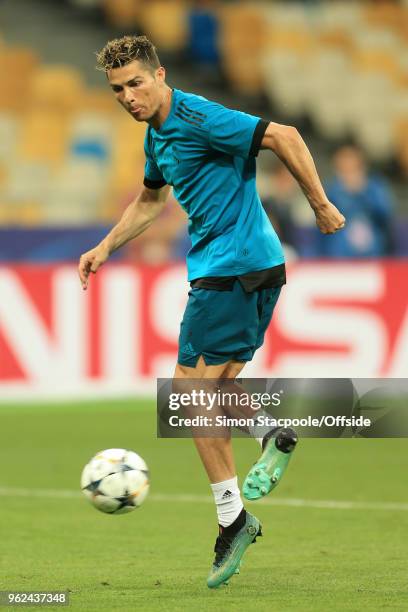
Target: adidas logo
(226, 494)
(188, 349)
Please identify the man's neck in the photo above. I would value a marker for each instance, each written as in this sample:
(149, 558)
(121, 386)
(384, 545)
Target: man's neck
(164, 109)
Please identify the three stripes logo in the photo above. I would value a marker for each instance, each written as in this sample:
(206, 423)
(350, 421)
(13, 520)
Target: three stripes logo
(226, 494)
(190, 116)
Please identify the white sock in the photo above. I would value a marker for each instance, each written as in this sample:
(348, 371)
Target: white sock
(259, 431)
(228, 500)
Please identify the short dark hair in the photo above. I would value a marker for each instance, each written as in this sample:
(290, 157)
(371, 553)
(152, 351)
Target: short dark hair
(121, 51)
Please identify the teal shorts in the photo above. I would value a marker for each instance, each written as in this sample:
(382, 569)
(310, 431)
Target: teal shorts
(224, 325)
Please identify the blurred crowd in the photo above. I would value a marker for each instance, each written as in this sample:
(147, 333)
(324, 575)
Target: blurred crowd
(71, 159)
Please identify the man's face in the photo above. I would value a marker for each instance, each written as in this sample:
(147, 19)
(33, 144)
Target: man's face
(137, 89)
(350, 167)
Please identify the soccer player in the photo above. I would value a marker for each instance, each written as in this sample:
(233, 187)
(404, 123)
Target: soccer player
(236, 268)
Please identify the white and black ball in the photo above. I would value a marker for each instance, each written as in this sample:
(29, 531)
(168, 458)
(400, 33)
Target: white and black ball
(115, 481)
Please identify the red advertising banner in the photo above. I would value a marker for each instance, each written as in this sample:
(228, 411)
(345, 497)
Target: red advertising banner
(334, 319)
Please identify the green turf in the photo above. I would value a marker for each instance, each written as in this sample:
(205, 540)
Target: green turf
(157, 557)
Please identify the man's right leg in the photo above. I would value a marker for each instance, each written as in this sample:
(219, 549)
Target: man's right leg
(215, 452)
(237, 528)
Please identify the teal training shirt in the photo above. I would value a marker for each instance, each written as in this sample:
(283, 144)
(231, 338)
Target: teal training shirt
(207, 153)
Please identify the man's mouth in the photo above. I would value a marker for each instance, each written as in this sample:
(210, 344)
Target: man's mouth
(135, 109)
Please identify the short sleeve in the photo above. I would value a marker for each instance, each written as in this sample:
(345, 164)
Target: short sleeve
(153, 178)
(235, 133)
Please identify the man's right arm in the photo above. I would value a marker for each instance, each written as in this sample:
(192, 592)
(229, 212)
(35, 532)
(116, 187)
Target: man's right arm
(286, 142)
(138, 216)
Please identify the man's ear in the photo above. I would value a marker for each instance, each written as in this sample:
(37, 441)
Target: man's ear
(161, 74)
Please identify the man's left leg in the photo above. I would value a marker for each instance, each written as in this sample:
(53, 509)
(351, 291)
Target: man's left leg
(277, 443)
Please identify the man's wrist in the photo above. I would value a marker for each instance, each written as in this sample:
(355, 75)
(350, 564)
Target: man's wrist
(107, 245)
(319, 205)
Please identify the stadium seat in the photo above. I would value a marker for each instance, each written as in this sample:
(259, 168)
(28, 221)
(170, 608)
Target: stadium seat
(24, 213)
(203, 26)
(401, 27)
(283, 73)
(328, 87)
(17, 65)
(374, 103)
(285, 68)
(242, 29)
(128, 138)
(90, 136)
(371, 111)
(56, 87)
(31, 213)
(297, 40)
(98, 101)
(246, 76)
(347, 16)
(336, 39)
(376, 136)
(127, 159)
(3, 180)
(377, 61)
(43, 136)
(122, 14)
(284, 16)
(382, 14)
(242, 43)
(75, 193)
(165, 21)
(27, 181)
(9, 128)
(18, 61)
(400, 114)
(381, 40)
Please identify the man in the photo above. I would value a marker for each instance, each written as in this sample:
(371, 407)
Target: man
(366, 200)
(235, 266)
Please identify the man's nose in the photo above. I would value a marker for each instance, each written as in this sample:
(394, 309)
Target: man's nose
(128, 95)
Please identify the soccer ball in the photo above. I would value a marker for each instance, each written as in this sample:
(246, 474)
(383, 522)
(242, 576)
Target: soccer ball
(115, 481)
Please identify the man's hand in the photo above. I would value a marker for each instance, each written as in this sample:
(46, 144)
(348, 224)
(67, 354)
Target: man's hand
(91, 262)
(328, 219)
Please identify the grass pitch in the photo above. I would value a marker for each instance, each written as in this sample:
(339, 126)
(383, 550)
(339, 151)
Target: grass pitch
(313, 556)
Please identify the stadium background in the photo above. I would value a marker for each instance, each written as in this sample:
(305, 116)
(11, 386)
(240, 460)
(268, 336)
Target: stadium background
(70, 161)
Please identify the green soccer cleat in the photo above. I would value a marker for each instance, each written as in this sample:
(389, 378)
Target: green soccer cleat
(230, 546)
(267, 472)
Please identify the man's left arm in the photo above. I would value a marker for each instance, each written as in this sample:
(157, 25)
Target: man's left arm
(286, 142)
